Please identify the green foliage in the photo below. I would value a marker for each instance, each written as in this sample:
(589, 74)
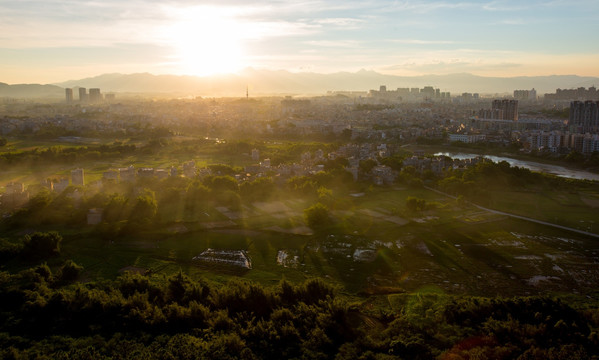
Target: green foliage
(144, 209)
(395, 162)
(221, 170)
(574, 157)
(325, 196)
(116, 209)
(42, 245)
(9, 249)
(317, 217)
(259, 189)
(69, 271)
(3, 141)
(63, 155)
(337, 163)
(416, 204)
(367, 165)
(221, 183)
(178, 317)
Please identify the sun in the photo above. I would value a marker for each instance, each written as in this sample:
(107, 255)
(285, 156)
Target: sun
(207, 41)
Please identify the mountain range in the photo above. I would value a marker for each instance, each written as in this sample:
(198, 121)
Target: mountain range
(269, 82)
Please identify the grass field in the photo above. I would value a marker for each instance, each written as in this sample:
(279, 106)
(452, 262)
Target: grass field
(453, 249)
(573, 209)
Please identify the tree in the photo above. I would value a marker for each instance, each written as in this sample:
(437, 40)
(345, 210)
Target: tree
(144, 209)
(69, 271)
(3, 141)
(325, 195)
(41, 245)
(367, 165)
(221, 183)
(317, 216)
(415, 204)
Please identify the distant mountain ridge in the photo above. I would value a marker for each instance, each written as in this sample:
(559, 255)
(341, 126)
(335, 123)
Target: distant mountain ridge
(268, 82)
(28, 91)
(284, 82)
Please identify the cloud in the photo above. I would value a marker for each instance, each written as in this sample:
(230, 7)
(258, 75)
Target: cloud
(422, 42)
(334, 43)
(341, 22)
(427, 6)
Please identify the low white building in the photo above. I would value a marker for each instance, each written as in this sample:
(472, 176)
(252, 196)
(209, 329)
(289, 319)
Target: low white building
(467, 138)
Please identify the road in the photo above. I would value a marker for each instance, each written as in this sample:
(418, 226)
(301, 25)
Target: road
(519, 216)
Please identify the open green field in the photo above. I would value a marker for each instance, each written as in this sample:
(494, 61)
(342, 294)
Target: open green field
(453, 249)
(573, 209)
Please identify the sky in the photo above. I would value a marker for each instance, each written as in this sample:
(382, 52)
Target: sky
(50, 41)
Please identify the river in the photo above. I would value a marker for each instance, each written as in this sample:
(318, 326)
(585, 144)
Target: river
(531, 165)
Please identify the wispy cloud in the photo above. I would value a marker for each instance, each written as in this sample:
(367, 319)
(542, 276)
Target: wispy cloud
(331, 43)
(422, 42)
(340, 22)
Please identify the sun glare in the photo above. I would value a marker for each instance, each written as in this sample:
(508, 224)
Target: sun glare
(207, 41)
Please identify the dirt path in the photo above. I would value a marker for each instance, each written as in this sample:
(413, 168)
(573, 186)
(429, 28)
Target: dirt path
(519, 216)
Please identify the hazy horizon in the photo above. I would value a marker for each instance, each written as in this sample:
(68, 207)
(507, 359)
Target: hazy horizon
(55, 41)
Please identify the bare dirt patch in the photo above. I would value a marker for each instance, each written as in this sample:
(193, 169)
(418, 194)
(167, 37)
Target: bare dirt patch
(594, 203)
(377, 215)
(217, 224)
(243, 232)
(272, 207)
(299, 230)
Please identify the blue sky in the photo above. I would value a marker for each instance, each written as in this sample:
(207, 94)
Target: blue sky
(51, 41)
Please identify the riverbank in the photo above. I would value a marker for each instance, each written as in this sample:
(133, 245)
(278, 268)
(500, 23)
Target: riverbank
(502, 153)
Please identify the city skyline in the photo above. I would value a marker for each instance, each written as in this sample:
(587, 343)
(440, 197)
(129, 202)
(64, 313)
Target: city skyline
(53, 41)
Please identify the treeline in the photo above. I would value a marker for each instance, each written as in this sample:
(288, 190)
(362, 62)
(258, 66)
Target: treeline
(46, 315)
(487, 175)
(65, 155)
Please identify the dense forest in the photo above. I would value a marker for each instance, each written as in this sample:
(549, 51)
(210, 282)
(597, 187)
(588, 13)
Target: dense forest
(55, 314)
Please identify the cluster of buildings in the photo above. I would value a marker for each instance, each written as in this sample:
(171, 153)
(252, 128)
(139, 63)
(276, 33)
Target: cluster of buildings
(60, 185)
(501, 110)
(560, 141)
(438, 164)
(580, 132)
(525, 95)
(130, 174)
(93, 97)
(426, 93)
(580, 93)
(16, 195)
(312, 163)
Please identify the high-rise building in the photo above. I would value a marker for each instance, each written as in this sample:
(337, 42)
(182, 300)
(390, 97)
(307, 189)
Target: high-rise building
(77, 177)
(525, 95)
(95, 96)
(69, 95)
(584, 116)
(83, 94)
(428, 91)
(506, 109)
